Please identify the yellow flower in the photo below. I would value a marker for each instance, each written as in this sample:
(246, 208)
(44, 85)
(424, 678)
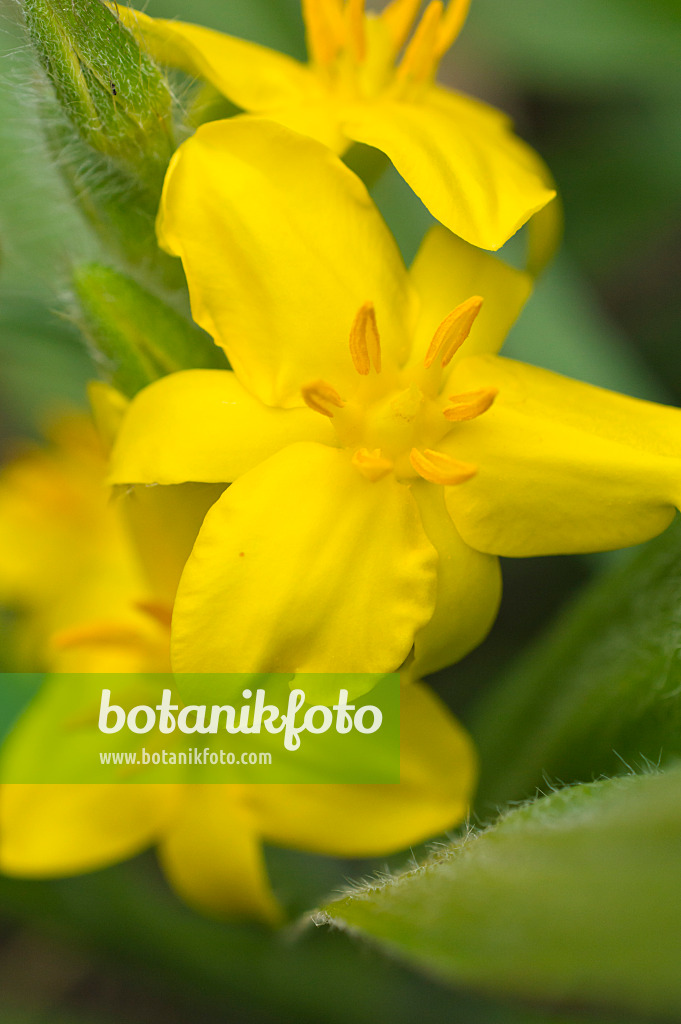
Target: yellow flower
(459, 155)
(70, 563)
(379, 458)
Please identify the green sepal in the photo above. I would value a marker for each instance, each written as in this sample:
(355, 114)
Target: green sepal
(135, 336)
(599, 693)
(573, 901)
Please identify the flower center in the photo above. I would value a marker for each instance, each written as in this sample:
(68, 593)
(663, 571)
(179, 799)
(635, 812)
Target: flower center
(395, 418)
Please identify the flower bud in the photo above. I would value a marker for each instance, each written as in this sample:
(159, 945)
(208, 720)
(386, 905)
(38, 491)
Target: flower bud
(108, 88)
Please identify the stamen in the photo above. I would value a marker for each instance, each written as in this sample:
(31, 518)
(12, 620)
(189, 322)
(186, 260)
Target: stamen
(451, 25)
(371, 464)
(157, 610)
(365, 341)
(322, 397)
(354, 19)
(453, 331)
(438, 468)
(419, 57)
(470, 404)
(398, 17)
(324, 28)
(95, 634)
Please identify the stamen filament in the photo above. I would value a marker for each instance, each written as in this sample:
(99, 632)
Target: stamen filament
(95, 634)
(453, 331)
(322, 397)
(354, 19)
(470, 404)
(438, 468)
(452, 22)
(419, 58)
(324, 28)
(398, 17)
(371, 464)
(365, 341)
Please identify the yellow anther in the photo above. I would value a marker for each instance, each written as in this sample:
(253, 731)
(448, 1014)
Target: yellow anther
(438, 468)
(324, 27)
(470, 404)
(371, 464)
(453, 331)
(354, 19)
(398, 17)
(365, 342)
(322, 397)
(419, 58)
(452, 22)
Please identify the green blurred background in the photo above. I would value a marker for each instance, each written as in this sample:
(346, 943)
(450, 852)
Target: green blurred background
(595, 86)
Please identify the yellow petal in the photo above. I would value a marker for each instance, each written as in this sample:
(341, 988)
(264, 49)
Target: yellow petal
(447, 272)
(252, 76)
(563, 466)
(475, 177)
(278, 264)
(163, 523)
(202, 425)
(304, 565)
(68, 829)
(437, 771)
(212, 856)
(468, 590)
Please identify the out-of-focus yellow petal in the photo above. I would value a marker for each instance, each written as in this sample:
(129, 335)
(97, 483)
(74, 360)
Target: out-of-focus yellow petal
(468, 590)
(67, 829)
(213, 858)
(163, 523)
(445, 273)
(246, 235)
(437, 771)
(562, 466)
(475, 177)
(304, 565)
(66, 558)
(252, 76)
(202, 425)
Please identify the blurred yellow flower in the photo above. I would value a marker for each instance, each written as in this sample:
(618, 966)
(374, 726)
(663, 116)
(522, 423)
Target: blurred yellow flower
(379, 458)
(459, 155)
(71, 566)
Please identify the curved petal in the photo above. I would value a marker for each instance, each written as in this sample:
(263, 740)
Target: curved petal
(68, 829)
(304, 565)
(317, 118)
(213, 858)
(475, 176)
(252, 76)
(203, 426)
(563, 466)
(446, 272)
(281, 245)
(438, 771)
(468, 589)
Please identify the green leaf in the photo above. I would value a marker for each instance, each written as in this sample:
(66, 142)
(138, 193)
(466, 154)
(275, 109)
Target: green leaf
(573, 900)
(138, 337)
(601, 691)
